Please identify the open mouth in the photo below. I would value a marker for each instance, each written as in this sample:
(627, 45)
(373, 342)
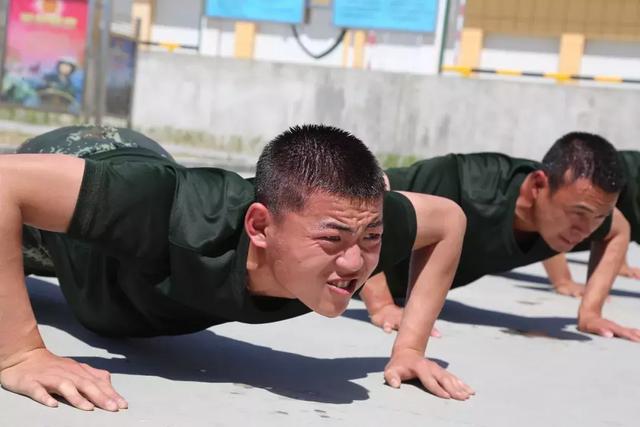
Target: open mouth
(343, 287)
(568, 242)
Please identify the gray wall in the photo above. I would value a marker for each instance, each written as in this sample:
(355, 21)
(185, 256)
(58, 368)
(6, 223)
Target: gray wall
(392, 113)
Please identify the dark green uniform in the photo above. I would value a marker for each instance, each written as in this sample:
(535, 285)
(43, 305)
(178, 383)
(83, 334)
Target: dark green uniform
(156, 248)
(629, 201)
(486, 186)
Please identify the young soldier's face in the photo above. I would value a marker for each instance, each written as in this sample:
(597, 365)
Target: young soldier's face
(571, 213)
(324, 253)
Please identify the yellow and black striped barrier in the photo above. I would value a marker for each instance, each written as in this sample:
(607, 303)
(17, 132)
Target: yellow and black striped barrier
(559, 77)
(168, 45)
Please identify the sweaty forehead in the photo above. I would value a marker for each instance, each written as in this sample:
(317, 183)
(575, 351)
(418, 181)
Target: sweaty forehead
(321, 199)
(323, 206)
(582, 192)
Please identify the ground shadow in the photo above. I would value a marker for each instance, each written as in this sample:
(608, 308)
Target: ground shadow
(207, 357)
(549, 327)
(525, 277)
(613, 292)
(532, 278)
(577, 261)
(457, 312)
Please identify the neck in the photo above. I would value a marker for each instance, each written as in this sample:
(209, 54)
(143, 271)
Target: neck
(260, 277)
(523, 215)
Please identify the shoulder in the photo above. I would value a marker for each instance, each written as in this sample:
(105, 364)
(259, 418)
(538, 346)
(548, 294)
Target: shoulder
(630, 156)
(212, 185)
(209, 207)
(631, 163)
(436, 175)
(494, 163)
(492, 177)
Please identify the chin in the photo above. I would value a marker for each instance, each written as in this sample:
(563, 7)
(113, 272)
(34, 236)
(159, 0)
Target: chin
(331, 311)
(561, 246)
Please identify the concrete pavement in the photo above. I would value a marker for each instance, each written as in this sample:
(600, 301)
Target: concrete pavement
(509, 337)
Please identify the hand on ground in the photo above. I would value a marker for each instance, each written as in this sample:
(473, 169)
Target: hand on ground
(409, 364)
(608, 329)
(387, 317)
(569, 288)
(627, 271)
(40, 374)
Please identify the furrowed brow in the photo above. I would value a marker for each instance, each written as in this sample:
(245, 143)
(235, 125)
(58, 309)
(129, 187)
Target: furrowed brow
(375, 224)
(584, 208)
(336, 226)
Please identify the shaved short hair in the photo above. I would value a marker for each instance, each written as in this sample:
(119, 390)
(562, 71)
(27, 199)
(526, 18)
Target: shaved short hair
(584, 155)
(307, 159)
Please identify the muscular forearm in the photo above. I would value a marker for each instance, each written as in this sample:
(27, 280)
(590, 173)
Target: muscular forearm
(560, 276)
(40, 190)
(557, 269)
(432, 271)
(605, 261)
(376, 294)
(440, 230)
(18, 329)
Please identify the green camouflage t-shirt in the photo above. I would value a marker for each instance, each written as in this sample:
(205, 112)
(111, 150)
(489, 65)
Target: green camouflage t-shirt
(155, 248)
(486, 186)
(629, 201)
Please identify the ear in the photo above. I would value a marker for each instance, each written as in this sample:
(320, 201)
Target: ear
(256, 221)
(539, 183)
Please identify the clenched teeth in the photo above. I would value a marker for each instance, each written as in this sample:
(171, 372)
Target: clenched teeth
(341, 285)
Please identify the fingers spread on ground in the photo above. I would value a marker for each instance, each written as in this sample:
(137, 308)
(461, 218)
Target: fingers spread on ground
(432, 385)
(108, 389)
(604, 332)
(104, 383)
(630, 334)
(38, 393)
(96, 395)
(98, 373)
(468, 390)
(392, 378)
(68, 390)
(449, 384)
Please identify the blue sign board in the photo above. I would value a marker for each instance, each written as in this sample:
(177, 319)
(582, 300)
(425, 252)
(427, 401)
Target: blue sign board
(286, 11)
(399, 15)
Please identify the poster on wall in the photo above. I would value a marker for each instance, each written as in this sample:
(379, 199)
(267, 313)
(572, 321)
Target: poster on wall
(283, 11)
(44, 55)
(120, 75)
(396, 15)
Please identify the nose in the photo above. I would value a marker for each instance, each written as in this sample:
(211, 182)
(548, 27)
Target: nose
(350, 261)
(584, 228)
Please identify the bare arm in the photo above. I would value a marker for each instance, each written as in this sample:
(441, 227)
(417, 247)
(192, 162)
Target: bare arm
(30, 195)
(441, 224)
(560, 276)
(606, 258)
(382, 309)
(42, 191)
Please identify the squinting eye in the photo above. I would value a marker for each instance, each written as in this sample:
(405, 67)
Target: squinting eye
(373, 236)
(331, 238)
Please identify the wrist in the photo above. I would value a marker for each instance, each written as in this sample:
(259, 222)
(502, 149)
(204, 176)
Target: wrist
(17, 358)
(377, 308)
(558, 283)
(19, 351)
(591, 305)
(587, 314)
(403, 347)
